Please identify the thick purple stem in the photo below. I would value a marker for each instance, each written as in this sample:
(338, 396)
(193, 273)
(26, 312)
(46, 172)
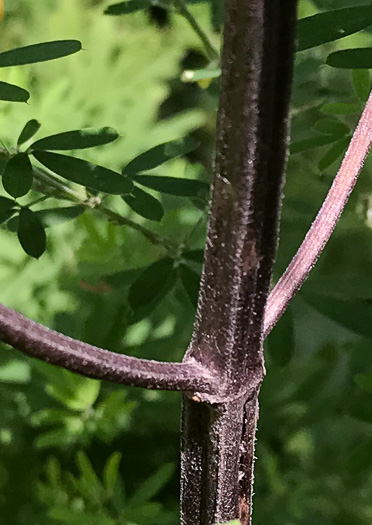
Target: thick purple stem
(52, 347)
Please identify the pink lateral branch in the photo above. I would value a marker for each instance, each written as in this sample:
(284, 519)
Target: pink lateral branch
(324, 223)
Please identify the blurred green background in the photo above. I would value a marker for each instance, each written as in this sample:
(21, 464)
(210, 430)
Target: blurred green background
(62, 436)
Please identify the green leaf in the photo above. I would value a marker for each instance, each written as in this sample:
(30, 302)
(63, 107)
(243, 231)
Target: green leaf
(159, 154)
(111, 473)
(311, 143)
(18, 175)
(340, 108)
(351, 58)
(332, 25)
(77, 139)
(331, 126)
(174, 186)
(334, 153)
(55, 216)
(144, 204)
(281, 343)
(125, 8)
(364, 381)
(12, 93)
(31, 233)
(361, 83)
(6, 208)
(51, 216)
(191, 282)
(30, 129)
(151, 284)
(353, 315)
(83, 172)
(39, 52)
(89, 477)
(194, 255)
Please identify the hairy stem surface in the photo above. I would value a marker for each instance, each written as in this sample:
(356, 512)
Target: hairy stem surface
(219, 430)
(324, 223)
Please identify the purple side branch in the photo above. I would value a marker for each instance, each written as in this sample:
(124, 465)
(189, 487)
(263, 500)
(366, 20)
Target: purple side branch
(324, 223)
(52, 347)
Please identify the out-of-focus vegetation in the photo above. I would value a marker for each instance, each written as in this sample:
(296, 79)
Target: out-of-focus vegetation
(74, 450)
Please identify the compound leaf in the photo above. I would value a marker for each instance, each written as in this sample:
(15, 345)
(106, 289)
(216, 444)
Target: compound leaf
(83, 172)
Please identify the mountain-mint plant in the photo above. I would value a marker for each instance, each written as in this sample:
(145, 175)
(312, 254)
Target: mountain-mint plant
(223, 368)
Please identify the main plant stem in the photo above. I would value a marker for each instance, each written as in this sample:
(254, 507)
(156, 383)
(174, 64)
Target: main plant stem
(219, 430)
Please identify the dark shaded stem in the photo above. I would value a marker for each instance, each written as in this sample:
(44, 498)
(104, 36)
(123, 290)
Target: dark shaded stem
(52, 347)
(324, 223)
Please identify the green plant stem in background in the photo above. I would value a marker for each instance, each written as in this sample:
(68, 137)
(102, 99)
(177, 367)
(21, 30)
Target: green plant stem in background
(210, 50)
(67, 193)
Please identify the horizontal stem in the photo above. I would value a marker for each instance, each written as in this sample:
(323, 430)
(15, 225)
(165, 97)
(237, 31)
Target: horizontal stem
(324, 223)
(52, 347)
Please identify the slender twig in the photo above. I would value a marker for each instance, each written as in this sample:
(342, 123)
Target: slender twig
(37, 341)
(324, 223)
(210, 50)
(67, 193)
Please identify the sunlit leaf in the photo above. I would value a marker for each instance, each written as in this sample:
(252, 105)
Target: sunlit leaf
(361, 83)
(39, 52)
(18, 175)
(6, 208)
(151, 284)
(159, 154)
(332, 25)
(144, 204)
(30, 129)
(191, 283)
(351, 58)
(77, 139)
(11, 93)
(174, 186)
(31, 233)
(85, 173)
